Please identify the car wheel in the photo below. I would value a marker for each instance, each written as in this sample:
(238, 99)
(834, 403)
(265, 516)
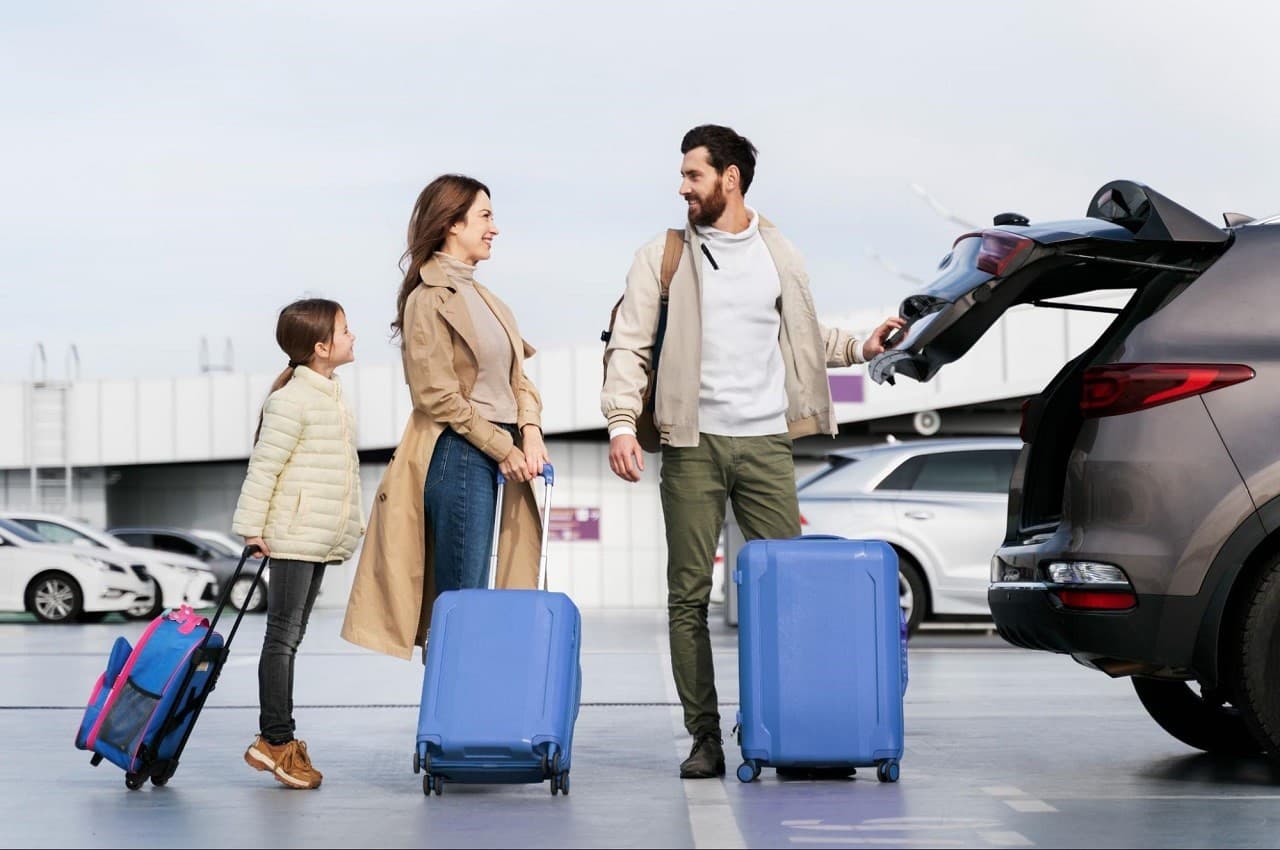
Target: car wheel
(55, 598)
(240, 595)
(911, 593)
(1257, 656)
(1192, 719)
(148, 610)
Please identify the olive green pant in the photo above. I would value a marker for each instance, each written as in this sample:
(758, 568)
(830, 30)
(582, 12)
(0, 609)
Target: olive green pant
(756, 474)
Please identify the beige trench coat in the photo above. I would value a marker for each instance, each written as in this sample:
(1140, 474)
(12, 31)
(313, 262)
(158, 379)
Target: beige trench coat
(389, 609)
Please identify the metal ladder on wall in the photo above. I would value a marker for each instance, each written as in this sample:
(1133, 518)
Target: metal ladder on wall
(48, 432)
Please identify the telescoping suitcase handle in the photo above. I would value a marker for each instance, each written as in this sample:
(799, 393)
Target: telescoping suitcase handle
(249, 552)
(548, 475)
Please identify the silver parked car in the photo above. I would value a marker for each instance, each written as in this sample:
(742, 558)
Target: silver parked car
(217, 555)
(1143, 536)
(941, 504)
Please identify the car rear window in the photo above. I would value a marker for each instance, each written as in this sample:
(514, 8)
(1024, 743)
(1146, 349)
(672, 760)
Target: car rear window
(827, 481)
(984, 471)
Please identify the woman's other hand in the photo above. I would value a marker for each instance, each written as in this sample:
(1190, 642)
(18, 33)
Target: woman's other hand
(514, 467)
(535, 450)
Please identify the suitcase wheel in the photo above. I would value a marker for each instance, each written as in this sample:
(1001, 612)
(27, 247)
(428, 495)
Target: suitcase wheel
(134, 781)
(748, 771)
(887, 771)
(560, 784)
(432, 783)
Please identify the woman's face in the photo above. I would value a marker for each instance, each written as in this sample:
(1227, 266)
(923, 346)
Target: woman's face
(471, 240)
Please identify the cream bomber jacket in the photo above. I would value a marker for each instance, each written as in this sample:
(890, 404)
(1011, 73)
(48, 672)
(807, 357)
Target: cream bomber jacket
(302, 491)
(808, 348)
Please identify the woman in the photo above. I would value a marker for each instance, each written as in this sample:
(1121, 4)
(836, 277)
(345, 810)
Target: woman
(474, 413)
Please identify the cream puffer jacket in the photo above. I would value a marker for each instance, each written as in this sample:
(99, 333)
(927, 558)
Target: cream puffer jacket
(302, 492)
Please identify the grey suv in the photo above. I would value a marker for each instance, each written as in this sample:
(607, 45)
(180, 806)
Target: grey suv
(1143, 534)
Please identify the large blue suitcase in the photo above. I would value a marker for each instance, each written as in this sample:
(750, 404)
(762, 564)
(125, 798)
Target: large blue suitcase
(502, 685)
(821, 656)
(144, 705)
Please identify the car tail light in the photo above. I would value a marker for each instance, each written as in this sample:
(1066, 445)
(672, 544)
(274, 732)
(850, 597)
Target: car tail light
(803, 521)
(1127, 387)
(1097, 600)
(1000, 249)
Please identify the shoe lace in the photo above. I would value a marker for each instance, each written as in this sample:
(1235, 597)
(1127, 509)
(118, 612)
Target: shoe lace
(301, 758)
(702, 740)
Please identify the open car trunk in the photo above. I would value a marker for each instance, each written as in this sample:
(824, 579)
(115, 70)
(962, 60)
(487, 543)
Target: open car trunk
(1134, 239)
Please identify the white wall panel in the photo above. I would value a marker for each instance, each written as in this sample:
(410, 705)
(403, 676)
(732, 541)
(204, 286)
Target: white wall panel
(193, 425)
(157, 420)
(232, 422)
(587, 377)
(13, 425)
(373, 401)
(85, 446)
(556, 389)
(119, 422)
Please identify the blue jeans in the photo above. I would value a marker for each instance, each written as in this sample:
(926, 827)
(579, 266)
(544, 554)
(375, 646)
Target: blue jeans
(460, 496)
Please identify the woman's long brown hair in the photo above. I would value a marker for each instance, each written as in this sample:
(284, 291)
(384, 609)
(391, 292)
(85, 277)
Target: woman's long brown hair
(441, 205)
(300, 326)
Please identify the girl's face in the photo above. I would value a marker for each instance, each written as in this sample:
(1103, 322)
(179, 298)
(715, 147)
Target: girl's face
(342, 348)
(471, 240)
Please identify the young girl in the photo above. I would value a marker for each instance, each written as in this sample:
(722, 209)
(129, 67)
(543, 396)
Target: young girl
(301, 506)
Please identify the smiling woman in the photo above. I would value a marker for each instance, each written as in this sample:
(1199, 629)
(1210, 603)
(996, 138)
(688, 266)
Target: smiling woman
(475, 414)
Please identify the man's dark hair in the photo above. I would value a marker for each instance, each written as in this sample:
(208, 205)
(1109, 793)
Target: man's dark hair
(724, 148)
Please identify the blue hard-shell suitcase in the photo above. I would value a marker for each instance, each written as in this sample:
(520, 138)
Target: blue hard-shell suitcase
(821, 656)
(502, 685)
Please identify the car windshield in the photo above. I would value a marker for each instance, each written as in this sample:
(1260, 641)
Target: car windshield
(21, 532)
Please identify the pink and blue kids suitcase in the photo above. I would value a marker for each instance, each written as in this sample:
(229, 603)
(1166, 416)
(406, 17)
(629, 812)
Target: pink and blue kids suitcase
(144, 705)
(502, 685)
(821, 656)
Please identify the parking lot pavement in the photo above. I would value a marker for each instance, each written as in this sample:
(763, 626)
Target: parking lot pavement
(1005, 748)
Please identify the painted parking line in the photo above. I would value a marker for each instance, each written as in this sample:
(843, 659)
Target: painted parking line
(922, 841)
(711, 818)
(1017, 799)
(986, 829)
(1028, 806)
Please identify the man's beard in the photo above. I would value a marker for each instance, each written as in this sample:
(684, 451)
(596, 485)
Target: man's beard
(710, 208)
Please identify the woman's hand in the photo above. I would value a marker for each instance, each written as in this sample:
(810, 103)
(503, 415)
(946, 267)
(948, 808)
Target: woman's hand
(514, 467)
(260, 544)
(535, 451)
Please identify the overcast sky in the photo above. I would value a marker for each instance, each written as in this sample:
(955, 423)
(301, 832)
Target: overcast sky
(171, 171)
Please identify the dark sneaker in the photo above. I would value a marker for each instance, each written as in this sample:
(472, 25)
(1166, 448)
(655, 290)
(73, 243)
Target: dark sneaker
(294, 767)
(262, 755)
(706, 759)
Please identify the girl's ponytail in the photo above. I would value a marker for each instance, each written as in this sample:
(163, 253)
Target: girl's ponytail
(301, 326)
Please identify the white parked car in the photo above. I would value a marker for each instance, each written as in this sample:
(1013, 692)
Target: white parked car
(61, 584)
(941, 503)
(177, 579)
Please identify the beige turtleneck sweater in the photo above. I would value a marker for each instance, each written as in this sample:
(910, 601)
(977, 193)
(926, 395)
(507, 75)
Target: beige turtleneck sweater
(492, 395)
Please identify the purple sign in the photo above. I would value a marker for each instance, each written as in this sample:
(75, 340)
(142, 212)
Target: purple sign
(574, 524)
(845, 388)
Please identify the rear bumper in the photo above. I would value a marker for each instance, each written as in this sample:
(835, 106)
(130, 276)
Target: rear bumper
(1119, 643)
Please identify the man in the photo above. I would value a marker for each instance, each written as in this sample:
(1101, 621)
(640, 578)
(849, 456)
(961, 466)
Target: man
(742, 372)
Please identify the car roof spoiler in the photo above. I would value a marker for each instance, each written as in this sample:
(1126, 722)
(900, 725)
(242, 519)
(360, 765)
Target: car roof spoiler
(1150, 216)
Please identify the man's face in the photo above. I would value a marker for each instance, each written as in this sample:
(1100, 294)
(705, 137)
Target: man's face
(702, 188)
